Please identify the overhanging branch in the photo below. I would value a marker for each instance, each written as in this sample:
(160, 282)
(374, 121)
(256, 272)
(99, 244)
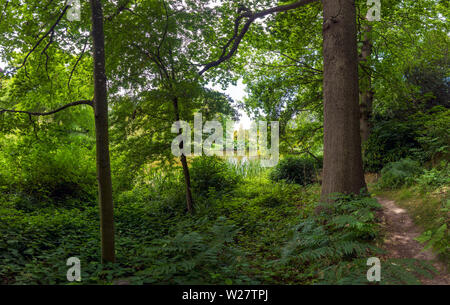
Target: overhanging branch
(50, 31)
(239, 35)
(82, 102)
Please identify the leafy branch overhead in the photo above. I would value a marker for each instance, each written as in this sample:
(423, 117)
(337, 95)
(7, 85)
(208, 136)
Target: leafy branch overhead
(239, 33)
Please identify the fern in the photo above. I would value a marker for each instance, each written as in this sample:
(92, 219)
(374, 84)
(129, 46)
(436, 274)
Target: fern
(393, 272)
(337, 243)
(193, 258)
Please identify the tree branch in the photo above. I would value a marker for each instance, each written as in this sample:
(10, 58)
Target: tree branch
(82, 102)
(77, 62)
(166, 28)
(43, 37)
(238, 36)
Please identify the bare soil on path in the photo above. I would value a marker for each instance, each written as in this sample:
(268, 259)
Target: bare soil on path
(400, 240)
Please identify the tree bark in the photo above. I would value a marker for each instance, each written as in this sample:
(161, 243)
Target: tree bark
(102, 137)
(187, 179)
(366, 94)
(366, 114)
(343, 169)
(187, 176)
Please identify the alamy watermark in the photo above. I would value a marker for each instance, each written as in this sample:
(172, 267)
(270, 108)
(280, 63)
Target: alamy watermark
(74, 11)
(251, 143)
(374, 272)
(74, 272)
(374, 12)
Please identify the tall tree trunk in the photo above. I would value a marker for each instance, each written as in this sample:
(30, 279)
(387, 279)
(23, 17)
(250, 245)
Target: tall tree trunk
(101, 129)
(343, 169)
(187, 177)
(366, 94)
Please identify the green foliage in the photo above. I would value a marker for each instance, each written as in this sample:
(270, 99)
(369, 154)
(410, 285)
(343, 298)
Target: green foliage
(393, 272)
(438, 240)
(438, 235)
(156, 241)
(274, 196)
(41, 174)
(434, 137)
(341, 230)
(427, 201)
(390, 141)
(47, 169)
(247, 168)
(193, 258)
(397, 174)
(302, 171)
(434, 178)
(33, 247)
(419, 135)
(333, 246)
(211, 173)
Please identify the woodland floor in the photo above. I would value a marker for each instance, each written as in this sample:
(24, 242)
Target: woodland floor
(400, 240)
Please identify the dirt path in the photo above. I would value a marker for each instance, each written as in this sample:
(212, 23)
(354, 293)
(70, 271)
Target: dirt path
(400, 243)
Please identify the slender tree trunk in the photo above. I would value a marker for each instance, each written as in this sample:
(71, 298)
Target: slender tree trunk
(101, 128)
(366, 114)
(187, 177)
(187, 180)
(366, 94)
(343, 170)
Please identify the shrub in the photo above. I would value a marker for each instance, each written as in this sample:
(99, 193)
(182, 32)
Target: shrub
(422, 136)
(296, 170)
(163, 190)
(273, 197)
(390, 141)
(437, 233)
(434, 178)
(400, 173)
(46, 175)
(211, 173)
(434, 136)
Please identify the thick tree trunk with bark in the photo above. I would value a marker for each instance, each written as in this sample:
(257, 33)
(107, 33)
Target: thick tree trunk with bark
(366, 94)
(101, 128)
(187, 176)
(343, 169)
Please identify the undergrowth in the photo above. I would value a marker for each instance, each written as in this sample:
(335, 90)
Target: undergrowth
(254, 231)
(425, 196)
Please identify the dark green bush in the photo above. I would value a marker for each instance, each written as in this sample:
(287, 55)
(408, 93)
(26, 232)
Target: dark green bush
(302, 171)
(434, 137)
(273, 197)
(390, 141)
(397, 174)
(211, 173)
(421, 135)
